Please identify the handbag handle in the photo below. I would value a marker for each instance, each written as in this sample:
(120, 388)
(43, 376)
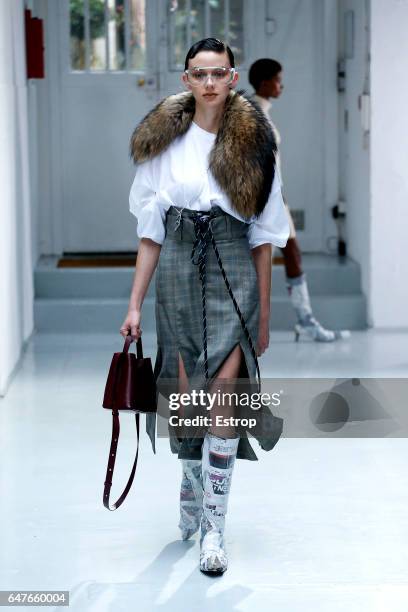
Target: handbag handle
(139, 348)
(115, 440)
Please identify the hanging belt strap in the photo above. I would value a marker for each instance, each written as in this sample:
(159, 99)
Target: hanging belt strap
(111, 462)
(204, 234)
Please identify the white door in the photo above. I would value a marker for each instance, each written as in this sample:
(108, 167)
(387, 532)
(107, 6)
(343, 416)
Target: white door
(108, 51)
(108, 83)
(119, 58)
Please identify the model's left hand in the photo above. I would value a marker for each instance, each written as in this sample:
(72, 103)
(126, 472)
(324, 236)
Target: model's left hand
(263, 337)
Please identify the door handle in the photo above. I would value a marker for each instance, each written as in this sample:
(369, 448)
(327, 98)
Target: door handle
(150, 82)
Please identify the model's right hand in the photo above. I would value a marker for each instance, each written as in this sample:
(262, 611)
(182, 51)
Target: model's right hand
(132, 325)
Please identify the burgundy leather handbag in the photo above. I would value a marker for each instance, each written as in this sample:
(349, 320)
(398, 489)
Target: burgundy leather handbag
(131, 387)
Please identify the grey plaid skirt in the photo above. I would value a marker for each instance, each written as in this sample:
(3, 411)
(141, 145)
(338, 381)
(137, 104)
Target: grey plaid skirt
(179, 313)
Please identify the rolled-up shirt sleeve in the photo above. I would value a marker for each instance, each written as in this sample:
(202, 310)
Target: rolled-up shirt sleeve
(144, 204)
(272, 225)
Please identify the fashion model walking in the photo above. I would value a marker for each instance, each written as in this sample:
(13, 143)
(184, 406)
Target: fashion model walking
(209, 206)
(265, 76)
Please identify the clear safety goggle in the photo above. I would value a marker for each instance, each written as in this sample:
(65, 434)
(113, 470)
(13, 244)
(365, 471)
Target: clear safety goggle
(218, 74)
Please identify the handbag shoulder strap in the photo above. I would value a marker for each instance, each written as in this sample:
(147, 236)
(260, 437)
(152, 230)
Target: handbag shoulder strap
(111, 463)
(115, 439)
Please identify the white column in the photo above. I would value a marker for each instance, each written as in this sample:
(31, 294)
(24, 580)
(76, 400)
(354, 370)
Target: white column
(389, 163)
(16, 266)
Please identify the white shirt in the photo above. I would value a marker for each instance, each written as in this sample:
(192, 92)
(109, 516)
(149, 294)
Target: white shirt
(266, 106)
(180, 176)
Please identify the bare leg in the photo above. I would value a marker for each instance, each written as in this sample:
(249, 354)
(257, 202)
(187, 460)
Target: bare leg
(224, 383)
(183, 380)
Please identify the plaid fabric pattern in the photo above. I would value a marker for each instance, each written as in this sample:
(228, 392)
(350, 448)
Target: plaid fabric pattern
(179, 322)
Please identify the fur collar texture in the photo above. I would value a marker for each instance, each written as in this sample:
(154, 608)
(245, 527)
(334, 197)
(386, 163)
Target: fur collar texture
(242, 159)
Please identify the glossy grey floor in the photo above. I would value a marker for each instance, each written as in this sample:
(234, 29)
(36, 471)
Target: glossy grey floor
(315, 524)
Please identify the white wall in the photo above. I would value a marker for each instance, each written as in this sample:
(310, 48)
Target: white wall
(16, 278)
(373, 165)
(389, 162)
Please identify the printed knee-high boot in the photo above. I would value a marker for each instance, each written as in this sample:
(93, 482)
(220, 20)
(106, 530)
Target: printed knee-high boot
(307, 324)
(217, 466)
(191, 497)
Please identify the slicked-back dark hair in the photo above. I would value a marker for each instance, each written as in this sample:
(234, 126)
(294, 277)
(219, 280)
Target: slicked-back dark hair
(263, 70)
(209, 44)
